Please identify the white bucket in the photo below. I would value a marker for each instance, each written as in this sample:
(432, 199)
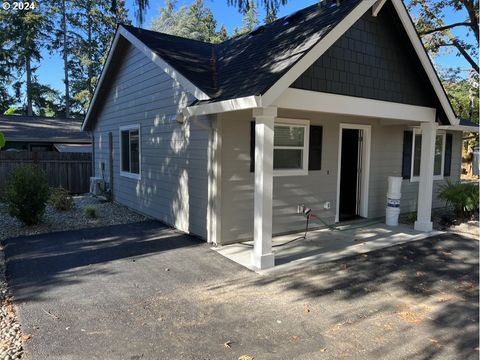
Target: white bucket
(394, 187)
(391, 218)
(393, 200)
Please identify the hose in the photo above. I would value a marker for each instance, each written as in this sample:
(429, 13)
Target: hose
(329, 226)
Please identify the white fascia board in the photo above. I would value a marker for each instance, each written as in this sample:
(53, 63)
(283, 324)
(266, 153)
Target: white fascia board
(174, 74)
(313, 54)
(101, 80)
(307, 100)
(249, 102)
(171, 71)
(377, 7)
(460, 128)
(425, 60)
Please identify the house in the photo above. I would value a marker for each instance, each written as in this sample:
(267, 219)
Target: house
(318, 108)
(34, 133)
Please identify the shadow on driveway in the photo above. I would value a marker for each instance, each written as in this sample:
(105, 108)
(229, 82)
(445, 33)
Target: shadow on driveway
(145, 291)
(36, 263)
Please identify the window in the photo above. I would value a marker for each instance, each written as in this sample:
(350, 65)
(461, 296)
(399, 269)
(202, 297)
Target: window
(438, 163)
(290, 151)
(130, 151)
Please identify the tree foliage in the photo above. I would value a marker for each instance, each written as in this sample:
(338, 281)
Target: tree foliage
(250, 19)
(432, 22)
(463, 93)
(24, 34)
(194, 22)
(94, 25)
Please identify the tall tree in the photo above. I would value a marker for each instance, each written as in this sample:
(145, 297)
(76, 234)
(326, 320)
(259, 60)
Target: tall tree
(94, 25)
(6, 66)
(141, 6)
(194, 22)
(250, 19)
(433, 25)
(25, 33)
(60, 42)
(271, 14)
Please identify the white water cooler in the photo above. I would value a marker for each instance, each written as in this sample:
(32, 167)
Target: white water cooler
(394, 195)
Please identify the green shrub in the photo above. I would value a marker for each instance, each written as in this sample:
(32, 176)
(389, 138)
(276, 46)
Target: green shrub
(90, 212)
(60, 199)
(26, 193)
(463, 197)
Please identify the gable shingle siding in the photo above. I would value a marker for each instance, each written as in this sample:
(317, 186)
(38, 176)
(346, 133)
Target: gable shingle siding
(371, 60)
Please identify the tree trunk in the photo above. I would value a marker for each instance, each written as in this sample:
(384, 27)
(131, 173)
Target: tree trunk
(29, 85)
(65, 59)
(90, 50)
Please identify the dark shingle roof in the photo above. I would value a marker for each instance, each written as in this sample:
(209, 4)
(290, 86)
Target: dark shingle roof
(33, 128)
(249, 64)
(465, 122)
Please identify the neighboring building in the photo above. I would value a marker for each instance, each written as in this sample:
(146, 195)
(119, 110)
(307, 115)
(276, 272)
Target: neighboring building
(34, 133)
(318, 108)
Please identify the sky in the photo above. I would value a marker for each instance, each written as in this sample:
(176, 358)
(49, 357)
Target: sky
(51, 69)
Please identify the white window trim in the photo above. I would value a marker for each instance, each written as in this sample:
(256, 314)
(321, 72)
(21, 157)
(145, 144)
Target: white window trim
(306, 137)
(126, 173)
(417, 131)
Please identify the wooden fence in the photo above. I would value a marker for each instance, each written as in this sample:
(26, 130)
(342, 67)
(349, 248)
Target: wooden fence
(72, 171)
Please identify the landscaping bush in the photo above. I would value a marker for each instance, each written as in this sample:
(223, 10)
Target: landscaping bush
(463, 197)
(26, 193)
(90, 212)
(61, 199)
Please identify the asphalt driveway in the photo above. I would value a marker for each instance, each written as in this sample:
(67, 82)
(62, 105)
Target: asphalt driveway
(142, 291)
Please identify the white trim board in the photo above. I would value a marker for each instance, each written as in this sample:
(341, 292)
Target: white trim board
(307, 100)
(128, 174)
(425, 60)
(462, 128)
(365, 181)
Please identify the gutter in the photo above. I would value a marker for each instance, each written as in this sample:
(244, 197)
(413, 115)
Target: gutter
(244, 103)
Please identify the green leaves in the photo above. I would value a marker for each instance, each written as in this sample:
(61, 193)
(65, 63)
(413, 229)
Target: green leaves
(2, 140)
(463, 197)
(193, 22)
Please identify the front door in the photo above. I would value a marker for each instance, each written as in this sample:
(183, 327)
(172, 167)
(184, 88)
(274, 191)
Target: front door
(349, 174)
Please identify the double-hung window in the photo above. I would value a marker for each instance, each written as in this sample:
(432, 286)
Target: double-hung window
(130, 151)
(290, 147)
(438, 163)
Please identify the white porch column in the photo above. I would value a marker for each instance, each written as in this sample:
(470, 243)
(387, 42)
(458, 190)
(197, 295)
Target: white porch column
(425, 186)
(262, 256)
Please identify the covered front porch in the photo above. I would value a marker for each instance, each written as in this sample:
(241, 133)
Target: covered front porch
(380, 121)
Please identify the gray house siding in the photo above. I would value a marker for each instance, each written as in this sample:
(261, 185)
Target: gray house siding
(318, 186)
(371, 60)
(173, 186)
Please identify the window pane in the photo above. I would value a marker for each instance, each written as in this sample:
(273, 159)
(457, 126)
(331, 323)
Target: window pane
(125, 151)
(417, 152)
(437, 165)
(288, 135)
(287, 159)
(134, 152)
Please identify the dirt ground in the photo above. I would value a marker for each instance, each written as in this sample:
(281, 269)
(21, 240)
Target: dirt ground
(142, 291)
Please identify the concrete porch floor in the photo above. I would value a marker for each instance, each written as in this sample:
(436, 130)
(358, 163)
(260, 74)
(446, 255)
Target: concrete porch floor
(325, 245)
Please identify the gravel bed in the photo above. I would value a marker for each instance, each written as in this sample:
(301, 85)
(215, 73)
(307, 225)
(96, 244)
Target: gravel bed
(53, 220)
(11, 338)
